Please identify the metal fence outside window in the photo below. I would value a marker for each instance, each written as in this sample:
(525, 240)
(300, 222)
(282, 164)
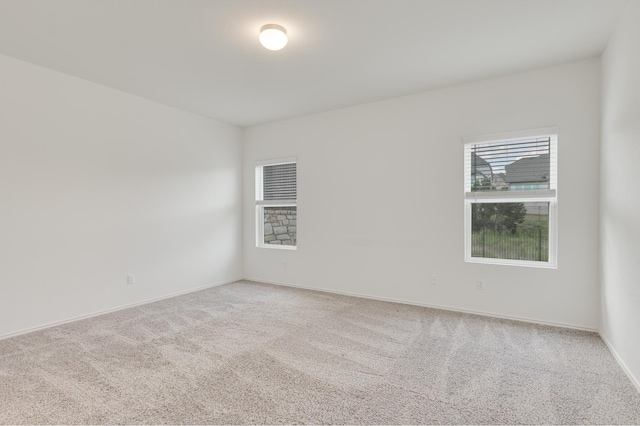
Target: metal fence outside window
(524, 244)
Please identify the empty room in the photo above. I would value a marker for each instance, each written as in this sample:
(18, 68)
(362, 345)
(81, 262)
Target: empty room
(319, 212)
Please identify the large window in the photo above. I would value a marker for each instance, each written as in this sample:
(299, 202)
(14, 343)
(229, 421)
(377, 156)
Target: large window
(276, 204)
(511, 199)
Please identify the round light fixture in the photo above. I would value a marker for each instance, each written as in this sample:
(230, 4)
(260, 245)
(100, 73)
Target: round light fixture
(273, 36)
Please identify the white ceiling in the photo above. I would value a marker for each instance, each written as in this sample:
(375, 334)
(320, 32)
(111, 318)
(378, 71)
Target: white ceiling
(204, 56)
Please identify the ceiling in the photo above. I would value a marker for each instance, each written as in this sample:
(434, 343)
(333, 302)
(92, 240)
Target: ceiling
(204, 56)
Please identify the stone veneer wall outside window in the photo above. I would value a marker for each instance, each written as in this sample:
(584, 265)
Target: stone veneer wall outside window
(280, 225)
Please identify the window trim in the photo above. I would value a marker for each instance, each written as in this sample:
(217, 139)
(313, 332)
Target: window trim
(261, 204)
(544, 195)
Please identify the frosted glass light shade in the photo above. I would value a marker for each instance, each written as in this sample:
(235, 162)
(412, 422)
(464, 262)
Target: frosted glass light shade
(273, 37)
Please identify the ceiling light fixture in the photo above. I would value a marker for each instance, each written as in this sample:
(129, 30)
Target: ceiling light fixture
(273, 36)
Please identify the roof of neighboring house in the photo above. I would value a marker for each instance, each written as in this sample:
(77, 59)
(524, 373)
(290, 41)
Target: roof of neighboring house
(479, 166)
(531, 169)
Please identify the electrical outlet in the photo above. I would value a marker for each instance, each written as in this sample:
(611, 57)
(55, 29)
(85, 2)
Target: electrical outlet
(131, 279)
(480, 285)
(433, 280)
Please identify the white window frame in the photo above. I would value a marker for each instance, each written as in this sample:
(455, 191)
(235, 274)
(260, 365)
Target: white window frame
(261, 204)
(540, 195)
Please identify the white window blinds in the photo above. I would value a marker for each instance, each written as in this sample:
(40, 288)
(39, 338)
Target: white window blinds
(276, 183)
(498, 168)
(279, 182)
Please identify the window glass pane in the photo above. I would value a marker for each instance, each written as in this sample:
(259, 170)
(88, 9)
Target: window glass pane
(511, 166)
(280, 225)
(518, 231)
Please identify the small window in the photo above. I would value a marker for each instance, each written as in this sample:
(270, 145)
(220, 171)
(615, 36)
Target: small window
(276, 204)
(511, 199)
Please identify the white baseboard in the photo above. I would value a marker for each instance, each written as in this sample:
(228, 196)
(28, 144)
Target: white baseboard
(427, 305)
(118, 308)
(624, 367)
(345, 293)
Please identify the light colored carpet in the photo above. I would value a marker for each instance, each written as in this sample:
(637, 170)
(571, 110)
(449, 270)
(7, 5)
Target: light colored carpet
(255, 353)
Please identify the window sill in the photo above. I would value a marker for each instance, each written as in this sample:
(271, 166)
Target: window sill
(277, 247)
(510, 262)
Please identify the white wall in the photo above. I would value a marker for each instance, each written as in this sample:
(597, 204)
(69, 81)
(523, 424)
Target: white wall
(620, 192)
(381, 196)
(96, 184)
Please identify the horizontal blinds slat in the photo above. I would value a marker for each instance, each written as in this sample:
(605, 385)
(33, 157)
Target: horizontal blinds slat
(276, 202)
